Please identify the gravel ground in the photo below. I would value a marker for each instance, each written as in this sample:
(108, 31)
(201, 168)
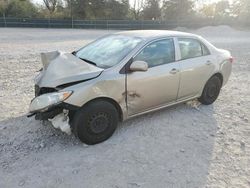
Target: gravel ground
(176, 147)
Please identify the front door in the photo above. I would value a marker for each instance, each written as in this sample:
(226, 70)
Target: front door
(159, 84)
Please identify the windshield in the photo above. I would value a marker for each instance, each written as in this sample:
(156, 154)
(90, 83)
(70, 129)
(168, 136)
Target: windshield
(108, 51)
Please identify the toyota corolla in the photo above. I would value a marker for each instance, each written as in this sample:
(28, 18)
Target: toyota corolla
(123, 75)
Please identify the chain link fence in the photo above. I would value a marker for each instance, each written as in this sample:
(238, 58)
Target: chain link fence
(105, 24)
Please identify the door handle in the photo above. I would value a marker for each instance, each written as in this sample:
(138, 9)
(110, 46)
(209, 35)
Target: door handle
(208, 62)
(174, 71)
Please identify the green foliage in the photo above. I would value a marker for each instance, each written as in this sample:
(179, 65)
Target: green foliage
(170, 10)
(18, 8)
(97, 9)
(152, 10)
(177, 9)
(116, 10)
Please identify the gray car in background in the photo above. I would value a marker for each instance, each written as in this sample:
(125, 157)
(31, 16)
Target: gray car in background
(123, 75)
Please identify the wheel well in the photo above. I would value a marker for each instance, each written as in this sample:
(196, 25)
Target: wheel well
(219, 75)
(112, 101)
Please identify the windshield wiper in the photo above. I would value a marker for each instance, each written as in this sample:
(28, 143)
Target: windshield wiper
(88, 61)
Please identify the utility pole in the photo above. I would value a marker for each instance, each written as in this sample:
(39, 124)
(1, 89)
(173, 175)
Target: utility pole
(4, 18)
(71, 14)
(5, 5)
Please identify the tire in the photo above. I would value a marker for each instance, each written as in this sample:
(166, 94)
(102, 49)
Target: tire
(95, 122)
(211, 91)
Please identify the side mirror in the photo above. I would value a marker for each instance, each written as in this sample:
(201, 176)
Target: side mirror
(139, 66)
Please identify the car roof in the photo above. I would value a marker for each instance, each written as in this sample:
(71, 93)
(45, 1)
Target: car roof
(151, 34)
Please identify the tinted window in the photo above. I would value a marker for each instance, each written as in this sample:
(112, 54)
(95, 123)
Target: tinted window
(158, 53)
(189, 48)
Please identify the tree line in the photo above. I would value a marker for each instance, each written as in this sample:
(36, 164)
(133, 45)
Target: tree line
(164, 10)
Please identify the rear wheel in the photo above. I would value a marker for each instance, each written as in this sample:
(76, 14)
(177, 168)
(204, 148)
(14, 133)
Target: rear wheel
(95, 122)
(211, 91)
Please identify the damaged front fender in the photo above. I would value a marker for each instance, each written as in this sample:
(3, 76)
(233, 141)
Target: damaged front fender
(107, 86)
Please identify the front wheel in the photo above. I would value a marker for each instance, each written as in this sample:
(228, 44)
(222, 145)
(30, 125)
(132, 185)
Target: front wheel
(95, 122)
(211, 91)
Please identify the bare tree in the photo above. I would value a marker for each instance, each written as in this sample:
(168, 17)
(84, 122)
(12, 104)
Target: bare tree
(50, 5)
(137, 8)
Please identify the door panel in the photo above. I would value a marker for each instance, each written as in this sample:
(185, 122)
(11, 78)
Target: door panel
(193, 75)
(159, 84)
(196, 66)
(153, 88)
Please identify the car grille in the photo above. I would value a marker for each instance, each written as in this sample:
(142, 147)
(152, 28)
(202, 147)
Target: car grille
(43, 90)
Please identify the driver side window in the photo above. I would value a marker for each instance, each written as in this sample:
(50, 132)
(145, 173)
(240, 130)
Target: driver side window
(157, 53)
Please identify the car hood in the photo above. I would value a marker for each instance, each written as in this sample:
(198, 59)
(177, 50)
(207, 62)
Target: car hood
(62, 68)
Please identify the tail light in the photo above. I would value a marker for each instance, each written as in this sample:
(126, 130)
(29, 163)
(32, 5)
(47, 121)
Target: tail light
(231, 59)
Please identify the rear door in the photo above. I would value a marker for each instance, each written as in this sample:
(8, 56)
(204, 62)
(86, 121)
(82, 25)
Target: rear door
(196, 66)
(159, 84)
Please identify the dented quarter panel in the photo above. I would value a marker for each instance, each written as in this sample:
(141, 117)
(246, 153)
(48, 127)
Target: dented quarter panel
(225, 67)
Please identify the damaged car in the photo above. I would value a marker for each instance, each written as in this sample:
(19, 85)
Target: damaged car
(123, 75)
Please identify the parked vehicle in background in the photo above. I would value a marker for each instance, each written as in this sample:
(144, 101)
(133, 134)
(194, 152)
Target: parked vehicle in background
(124, 75)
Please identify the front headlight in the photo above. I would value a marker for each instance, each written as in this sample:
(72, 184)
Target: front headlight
(43, 102)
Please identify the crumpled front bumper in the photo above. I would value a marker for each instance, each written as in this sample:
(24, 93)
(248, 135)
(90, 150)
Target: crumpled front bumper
(49, 114)
(53, 111)
(61, 121)
(58, 115)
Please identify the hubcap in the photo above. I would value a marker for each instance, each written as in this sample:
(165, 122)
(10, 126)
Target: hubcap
(98, 123)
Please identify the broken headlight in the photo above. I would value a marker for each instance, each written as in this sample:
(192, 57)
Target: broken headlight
(43, 102)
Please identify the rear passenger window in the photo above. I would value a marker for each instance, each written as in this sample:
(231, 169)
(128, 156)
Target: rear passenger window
(191, 48)
(205, 50)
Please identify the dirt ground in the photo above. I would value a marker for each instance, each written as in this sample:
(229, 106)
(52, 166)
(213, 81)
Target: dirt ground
(176, 147)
